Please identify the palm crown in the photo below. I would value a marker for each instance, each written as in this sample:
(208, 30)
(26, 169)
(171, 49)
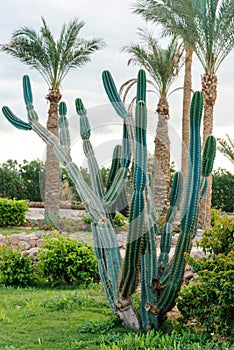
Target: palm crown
(206, 25)
(52, 59)
(162, 64)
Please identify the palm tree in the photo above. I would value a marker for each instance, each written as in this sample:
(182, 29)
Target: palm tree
(207, 26)
(53, 60)
(226, 147)
(163, 66)
(170, 14)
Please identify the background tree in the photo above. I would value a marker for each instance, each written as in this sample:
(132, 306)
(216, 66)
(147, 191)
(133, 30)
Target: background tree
(53, 60)
(163, 66)
(170, 15)
(226, 147)
(223, 190)
(209, 31)
(11, 184)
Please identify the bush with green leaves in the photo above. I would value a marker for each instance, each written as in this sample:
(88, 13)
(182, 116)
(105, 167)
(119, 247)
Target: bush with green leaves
(220, 237)
(210, 299)
(223, 190)
(16, 269)
(119, 220)
(12, 212)
(66, 260)
(159, 341)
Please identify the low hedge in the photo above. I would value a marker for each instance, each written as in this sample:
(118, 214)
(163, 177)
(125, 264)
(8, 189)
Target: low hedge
(12, 212)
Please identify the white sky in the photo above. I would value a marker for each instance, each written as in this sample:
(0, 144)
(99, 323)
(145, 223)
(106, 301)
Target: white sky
(117, 25)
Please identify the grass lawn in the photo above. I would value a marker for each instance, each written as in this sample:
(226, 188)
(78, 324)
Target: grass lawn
(53, 319)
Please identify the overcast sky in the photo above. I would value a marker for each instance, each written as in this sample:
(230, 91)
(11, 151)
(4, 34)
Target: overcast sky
(117, 25)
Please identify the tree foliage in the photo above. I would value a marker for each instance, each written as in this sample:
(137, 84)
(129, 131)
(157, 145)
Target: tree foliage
(223, 190)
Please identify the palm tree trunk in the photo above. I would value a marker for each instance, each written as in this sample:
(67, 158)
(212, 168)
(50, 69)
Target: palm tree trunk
(209, 90)
(186, 113)
(162, 159)
(52, 181)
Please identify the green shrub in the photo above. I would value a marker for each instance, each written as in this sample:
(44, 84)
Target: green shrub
(209, 301)
(15, 268)
(65, 260)
(12, 212)
(219, 238)
(119, 220)
(159, 341)
(223, 190)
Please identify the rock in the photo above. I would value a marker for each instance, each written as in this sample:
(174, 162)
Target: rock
(188, 275)
(14, 239)
(23, 237)
(39, 243)
(25, 244)
(33, 242)
(33, 252)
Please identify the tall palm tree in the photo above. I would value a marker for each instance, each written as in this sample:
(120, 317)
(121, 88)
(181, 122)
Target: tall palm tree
(163, 66)
(53, 60)
(209, 30)
(170, 14)
(226, 147)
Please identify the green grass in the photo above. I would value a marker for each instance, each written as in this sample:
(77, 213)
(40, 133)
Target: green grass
(53, 319)
(7, 231)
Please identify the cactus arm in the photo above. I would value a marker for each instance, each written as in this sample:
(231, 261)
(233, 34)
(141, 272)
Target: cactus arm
(85, 132)
(112, 94)
(15, 121)
(28, 99)
(166, 234)
(130, 267)
(207, 164)
(149, 267)
(172, 279)
(64, 134)
(208, 156)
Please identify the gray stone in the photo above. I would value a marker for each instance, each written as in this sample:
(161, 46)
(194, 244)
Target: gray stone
(25, 244)
(14, 239)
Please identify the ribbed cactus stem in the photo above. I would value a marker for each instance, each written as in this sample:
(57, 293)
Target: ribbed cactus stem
(208, 156)
(113, 95)
(15, 121)
(188, 221)
(64, 127)
(131, 265)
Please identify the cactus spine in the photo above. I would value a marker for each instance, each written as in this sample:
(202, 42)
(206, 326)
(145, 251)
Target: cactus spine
(160, 278)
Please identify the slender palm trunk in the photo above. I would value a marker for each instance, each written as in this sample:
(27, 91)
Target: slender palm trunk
(186, 113)
(52, 182)
(162, 159)
(209, 90)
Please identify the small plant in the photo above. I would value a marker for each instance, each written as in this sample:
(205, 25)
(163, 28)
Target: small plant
(159, 341)
(220, 237)
(65, 260)
(119, 220)
(12, 212)
(15, 268)
(210, 302)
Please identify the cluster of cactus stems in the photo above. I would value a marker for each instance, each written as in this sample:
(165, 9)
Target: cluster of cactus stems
(159, 279)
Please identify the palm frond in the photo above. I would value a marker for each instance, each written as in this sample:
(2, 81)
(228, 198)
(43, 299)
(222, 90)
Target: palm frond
(206, 25)
(162, 65)
(53, 59)
(226, 147)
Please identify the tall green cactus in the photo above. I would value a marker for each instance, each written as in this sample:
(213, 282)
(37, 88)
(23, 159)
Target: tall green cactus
(159, 278)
